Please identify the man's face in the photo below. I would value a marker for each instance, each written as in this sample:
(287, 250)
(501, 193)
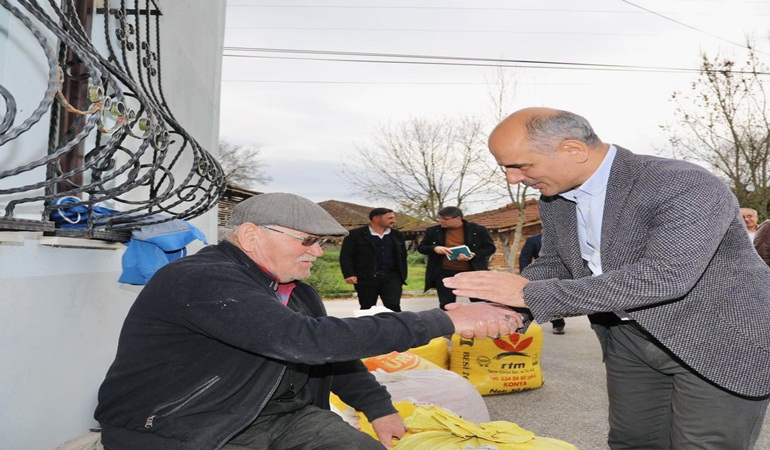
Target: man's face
(551, 174)
(385, 220)
(749, 218)
(450, 222)
(283, 255)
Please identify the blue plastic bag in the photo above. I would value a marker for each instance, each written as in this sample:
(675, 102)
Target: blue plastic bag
(68, 214)
(153, 246)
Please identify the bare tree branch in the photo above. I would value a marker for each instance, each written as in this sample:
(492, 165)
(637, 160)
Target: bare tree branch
(423, 165)
(724, 123)
(500, 95)
(243, 165)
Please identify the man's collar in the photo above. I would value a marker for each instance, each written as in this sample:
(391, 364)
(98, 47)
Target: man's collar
(597, 182)
(233, 249)
(374, 233)
(282, 290)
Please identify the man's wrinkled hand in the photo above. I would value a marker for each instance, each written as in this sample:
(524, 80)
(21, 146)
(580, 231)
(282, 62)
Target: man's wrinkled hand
(483, 320)
(389, 427)
(504, 288)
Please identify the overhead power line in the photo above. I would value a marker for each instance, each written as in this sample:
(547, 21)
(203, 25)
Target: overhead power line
(444, 8)
(687, 25)
(395, 58)
(471, 8)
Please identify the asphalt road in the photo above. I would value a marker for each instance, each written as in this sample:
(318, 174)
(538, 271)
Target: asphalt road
(572, 403)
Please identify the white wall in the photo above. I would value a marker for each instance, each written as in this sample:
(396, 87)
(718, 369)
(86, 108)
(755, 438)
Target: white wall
(61, 309)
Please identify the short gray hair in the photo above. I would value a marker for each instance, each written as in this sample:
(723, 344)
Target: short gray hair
(227, 233)
(547, 131)
(750, 209)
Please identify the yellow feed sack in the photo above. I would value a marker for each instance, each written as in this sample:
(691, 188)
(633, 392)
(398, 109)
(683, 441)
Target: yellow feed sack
(435, 351)
(500, 366)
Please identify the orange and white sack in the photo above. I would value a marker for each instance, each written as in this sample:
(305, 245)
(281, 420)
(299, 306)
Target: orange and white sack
(500, 366)
(398, 361)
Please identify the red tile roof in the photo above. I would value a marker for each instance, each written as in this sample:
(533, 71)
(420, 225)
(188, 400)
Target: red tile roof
(349, 215)
(497, 220)
(504, 219)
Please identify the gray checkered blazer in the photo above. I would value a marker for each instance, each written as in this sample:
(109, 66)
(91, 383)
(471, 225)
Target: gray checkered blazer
(676, 257)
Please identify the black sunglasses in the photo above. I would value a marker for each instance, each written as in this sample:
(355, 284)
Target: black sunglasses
(307, 241)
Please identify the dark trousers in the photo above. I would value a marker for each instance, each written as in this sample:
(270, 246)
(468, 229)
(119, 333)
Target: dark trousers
(558, 323)
(656, 403)
(310, 428)
(445, 295)
(387, 285)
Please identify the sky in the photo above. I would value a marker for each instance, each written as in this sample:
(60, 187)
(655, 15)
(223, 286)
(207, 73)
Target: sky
(310, 81)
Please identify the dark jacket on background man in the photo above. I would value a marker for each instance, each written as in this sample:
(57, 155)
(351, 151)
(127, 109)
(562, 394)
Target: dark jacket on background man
(477, 238)
(530, 251)
(207, 342)
(358, 255)
(762, 241)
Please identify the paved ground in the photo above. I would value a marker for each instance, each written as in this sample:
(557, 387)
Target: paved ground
(572, 403)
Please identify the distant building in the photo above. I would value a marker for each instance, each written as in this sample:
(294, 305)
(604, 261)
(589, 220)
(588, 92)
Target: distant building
(501, 224)
(232, 196)
(349, 215)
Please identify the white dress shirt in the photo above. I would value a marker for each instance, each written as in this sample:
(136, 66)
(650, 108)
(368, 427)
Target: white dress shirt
(589, 198)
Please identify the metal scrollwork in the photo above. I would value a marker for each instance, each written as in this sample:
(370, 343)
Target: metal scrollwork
(138, 164)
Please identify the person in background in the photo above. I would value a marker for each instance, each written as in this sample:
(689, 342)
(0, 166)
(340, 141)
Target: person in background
(452, 231)
(373, 260)
(529, 252)
(750, 218)
(762, 241)
(655, 252)
(228, 349)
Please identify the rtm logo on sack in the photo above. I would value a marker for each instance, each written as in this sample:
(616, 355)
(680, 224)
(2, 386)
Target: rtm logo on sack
(513, 348)
(496, 366)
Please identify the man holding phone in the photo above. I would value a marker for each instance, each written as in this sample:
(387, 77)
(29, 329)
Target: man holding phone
(452, 231)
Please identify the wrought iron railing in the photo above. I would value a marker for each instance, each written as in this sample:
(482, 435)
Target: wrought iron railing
(114, 149)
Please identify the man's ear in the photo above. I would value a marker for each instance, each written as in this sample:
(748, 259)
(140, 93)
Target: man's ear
(575, 149)
(247, 235)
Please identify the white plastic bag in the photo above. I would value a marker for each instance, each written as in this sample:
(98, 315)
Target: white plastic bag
(438, 387)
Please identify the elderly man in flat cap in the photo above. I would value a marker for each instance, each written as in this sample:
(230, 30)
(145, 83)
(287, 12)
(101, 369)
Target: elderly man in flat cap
(226, 349)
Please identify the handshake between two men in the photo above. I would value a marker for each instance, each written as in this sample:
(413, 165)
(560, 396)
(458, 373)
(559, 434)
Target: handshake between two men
(481, 320)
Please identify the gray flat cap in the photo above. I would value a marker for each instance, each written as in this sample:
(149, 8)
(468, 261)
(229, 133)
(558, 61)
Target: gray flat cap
(286, 210)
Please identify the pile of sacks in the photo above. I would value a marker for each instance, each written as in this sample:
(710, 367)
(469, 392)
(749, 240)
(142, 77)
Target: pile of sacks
(438, 388)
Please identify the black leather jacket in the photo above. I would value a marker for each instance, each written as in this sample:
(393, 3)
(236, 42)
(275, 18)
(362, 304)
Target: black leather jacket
(206, 344)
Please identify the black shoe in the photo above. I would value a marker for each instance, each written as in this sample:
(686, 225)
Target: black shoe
(558, 330)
